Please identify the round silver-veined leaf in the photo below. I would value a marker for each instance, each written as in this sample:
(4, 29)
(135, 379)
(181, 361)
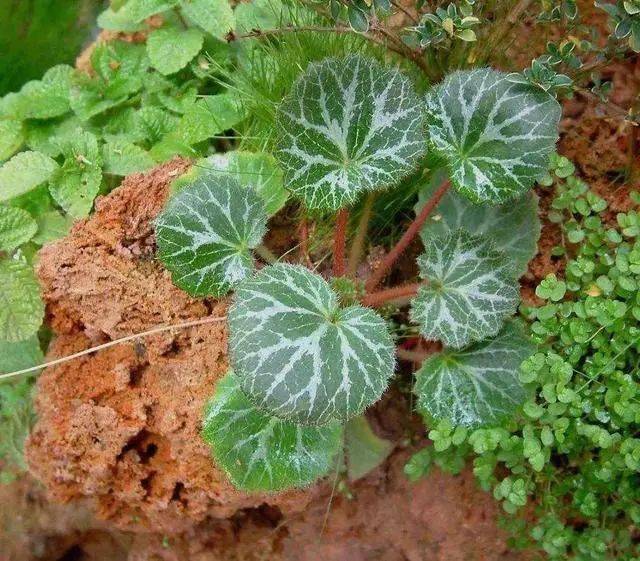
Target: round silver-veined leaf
(260, 452)
(206, 233)
(347, 126)
(301, 357)
(469, 293)
(478, 385)
(513, 227)
(496, 136)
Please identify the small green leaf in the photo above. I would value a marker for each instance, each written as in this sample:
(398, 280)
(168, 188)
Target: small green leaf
(260, 14)
(478, 385)
(77, 182)
(348, 126)
(301, 357)
(171, 49)
(259, 452)
(469, 293)
(214, 16)
(550, 288)
(495, 135)
(206, 233)
(23, 172)
(364, 450)
(139, 10)
(513, 227)
(16, 227)
(11, 137)
(20, 355)
(21, 308)
(51, 226)
(257, 170)
(124, 158)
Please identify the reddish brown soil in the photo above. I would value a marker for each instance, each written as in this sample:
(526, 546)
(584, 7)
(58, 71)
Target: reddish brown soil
(117, 433)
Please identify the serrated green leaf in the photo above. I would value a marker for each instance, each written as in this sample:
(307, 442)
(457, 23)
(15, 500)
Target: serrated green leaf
(364, 450)
(259, 171)
(170, 49)
(470, 289)
(214, 16)
(123, 158)
(16, 227)
(76, 184)
(51, 226)
(478, 385)
(206, 233)
(11, 137)
(495, 135)
(119, 20)
(301, 357)
(45, 136)
(513, 227)
(23, 172)
(259, 452)
(208, 117)
(348, 126)
(21, 308)
(20, 355)
(260, 14)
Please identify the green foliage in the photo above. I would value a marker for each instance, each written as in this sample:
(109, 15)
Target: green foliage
(443, 26)
(171, 49)
(299, 355)
(348, 126)
(625, 21)
(260, 452)
(512, 227)
(364, 450)
(206, 233)
(572, 453)
(470, 289)
(496, 136)
(21, 309)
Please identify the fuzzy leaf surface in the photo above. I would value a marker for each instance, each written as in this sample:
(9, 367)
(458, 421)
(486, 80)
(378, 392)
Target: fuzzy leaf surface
(469, 293)
(19, 355)
(16, 227)
(348, 126)
(171, 49)
(496, 136)
(257, 170)
(260, 452)
(214, 16)
(478, 385)
(124, 158)
(513, 227)
(11, 137)
(206, 233)
(300, 356)
(23, 172)
(21, 308)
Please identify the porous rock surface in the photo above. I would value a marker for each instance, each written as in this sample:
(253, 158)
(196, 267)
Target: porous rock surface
(122, 425)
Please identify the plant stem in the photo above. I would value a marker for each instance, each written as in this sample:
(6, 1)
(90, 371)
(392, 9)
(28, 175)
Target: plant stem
(113, 343)
(340, 242)
(380, 298)
(407, 238)
(266, 254)
(357, 247)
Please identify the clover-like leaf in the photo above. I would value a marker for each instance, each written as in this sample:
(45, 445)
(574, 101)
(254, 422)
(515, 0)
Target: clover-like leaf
(260, 452)
(478, 385)
(513, 227)
(206, 233)
(347, 126)
(300, 356)
(470, 289)
(496, 136)
(21, 307)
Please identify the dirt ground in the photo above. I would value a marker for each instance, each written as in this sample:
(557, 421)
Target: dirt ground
(118, 471)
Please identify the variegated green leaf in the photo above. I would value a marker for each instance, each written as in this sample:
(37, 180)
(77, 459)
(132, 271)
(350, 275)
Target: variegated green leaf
(347, 126)
(260, 452)
(206, 233)
(513, 227)
(300, 356)
(470, 289)
(21, 307)
(478, 385)
(257, 170)
(496, 136)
